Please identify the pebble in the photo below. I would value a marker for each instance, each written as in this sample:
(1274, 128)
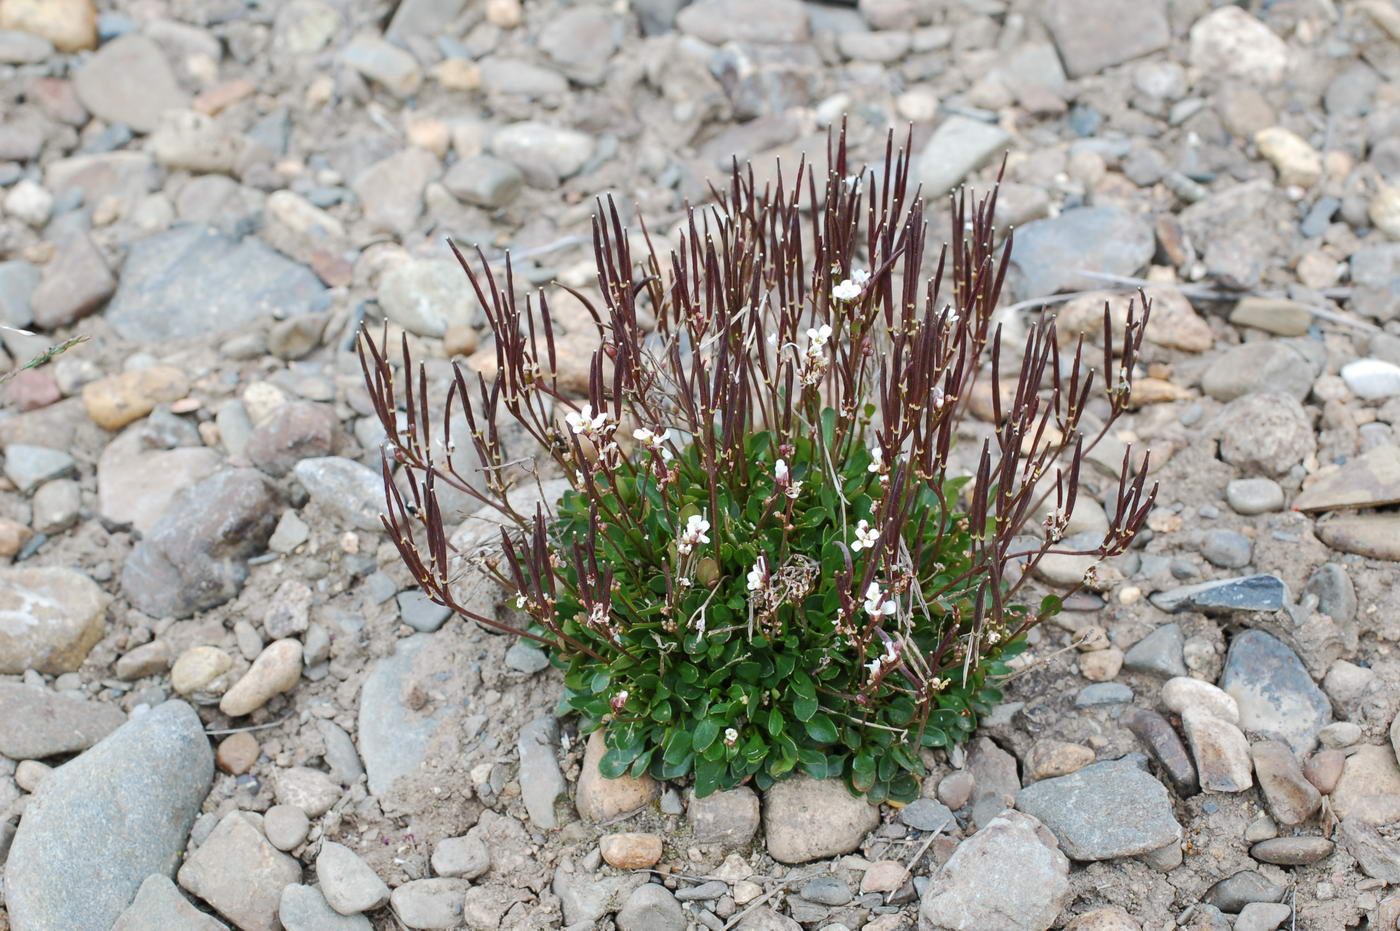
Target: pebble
(239, 873)
(1048, 759)
(1224, 596)
(1254, 495)
(1220, 750)
(149, 659)
(963, 893)
(1372, 379)
(57, 507)
(129, 81)
(1340, 735)
(351, 493)
(1101, 665)
(55, 616)
(542, 784)
(347, 881)
(276, 670)
(925, 814)
(544, 154)
(428, 297)
(728, 819)
(421, 613)
(465, 857)
(1276, 696)
(1049, 252)
(1274, 315)
(1160, 652)
(308, 789)
(36, 723)
(294, 431)
(1238, 890)
(104, 822)
(286, 826)
(1226, 549)
(1162, 742)
(651, 908)
(1103, 693)
(720, 21)
(1105, 810)
(429, 903)
(955, 789)
(1111, 918)
(808, 819)
(69, 25)
(341, 755)
(826, 890)
(958, 146)
(526, 659)
(1324, 768)
(393, 738)
(485, 181)
(159, 904)
(304, 908)
(1292, 799)
(117, 400)
(1369, 786)
(599, 799)
(705, 892)
(1182, 694)
(198, 674)
(31, 466)
(387, 65)
(1292, 851)
(237, 753)
(1298, 163)
(1229, 41)
(1378, 856)
(631, 851)
(1376, 535)
(28, 201)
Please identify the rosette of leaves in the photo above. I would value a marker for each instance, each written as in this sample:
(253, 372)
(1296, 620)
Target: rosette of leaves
(767, 561)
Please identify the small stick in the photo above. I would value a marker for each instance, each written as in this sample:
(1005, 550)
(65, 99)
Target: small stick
(250, 727)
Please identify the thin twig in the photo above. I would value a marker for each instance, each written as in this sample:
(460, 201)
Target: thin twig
(250, 727)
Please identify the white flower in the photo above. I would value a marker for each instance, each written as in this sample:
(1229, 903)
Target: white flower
(520, 601)
(731, 736)
(693, 535)
(794, 489)
(873, 604)
(644, 436)
(866, 536)
(817, 337)
(758, 575)
(877, 460)
(654, 440)
(860, 277)
(780, 471)
(847, 290)
(939, 397)
(874, 666)
(585, 423)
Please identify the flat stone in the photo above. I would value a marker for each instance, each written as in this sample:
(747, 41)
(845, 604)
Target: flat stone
(286, 826)
(1372, 379)
(544, 154)
(1238, 890)
(1292, 799)
(720, 21)
(1162, 742)
(1292, 851)
(466, 857)
(428, 297)
(350, 492)
(1103, 693)
(1263, 916)
(240, 874)
(1230, 42)
(294, 431)
(31, 466)
(391, 189)
(193, 281)
(542, 784)
(808, 819)
(393, 739)
(586, 897)
(128, 80)
(1182, 694)
(1160, 652)
(76, 282)
(429, 903)
(1374, 535)
(528, 660)
(1335, 593)
(195, 557)
(1254, 496)
(57, 506)
(1267, 432)
(340, 755)
(1226, 596)
(1124, 30)
(1378, 856)
(651, 908)
(101, 824)
(1369, 787)
(36, 723)
(387, 65)
(1227, 549)
(135, 483)
(728, 819)
(49, 619)
(1275, 315)
(159, 904)
(925, 814)
(1106, 810)
(631, 851)
(1220, 750)
(304, 908)
(485, 181)
(1370, 480)
(308, 789)
(959, 146)
(1047, 759)
(1050, 253)
(968, 893)
(118, 400)
(1277, 697)
(347, 881)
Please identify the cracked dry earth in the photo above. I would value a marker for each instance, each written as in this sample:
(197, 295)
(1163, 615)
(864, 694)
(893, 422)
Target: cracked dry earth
(222, 702)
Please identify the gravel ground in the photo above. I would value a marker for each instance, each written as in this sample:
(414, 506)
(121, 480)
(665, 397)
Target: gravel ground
(223, 703)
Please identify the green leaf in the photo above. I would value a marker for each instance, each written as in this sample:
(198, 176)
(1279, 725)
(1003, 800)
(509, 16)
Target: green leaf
(705, 733)
(822, 729)
(804, 708)
(802, 685)
(776, 723)
(863, 771)
(676, 746)
(707, 776)
(615, 763)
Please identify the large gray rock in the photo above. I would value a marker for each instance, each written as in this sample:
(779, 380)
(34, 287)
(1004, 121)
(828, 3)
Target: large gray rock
(1106, 810)
(49, 619)
(350, 492)
(240, 873)
(1049, 254)
(1277, 697)
(128, 80)
(159, 904)
(99, 825)
(1121, 31)
(195, 556)
(36, 723)
(192, 281)
(542, 784)
(974, 889)
(394, 738)
(811, 819)
(136, 483)
(958, 147)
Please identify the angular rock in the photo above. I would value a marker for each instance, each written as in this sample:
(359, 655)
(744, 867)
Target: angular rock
(1182, 694)
(429, 903)
(808, 819)
(49, 619)
(1229, 41)
(129, 81)
(586, 897)
(1238, 890)
(728, 819)
(347, 881)
(1226, 596)
(1124, 30)
(99, 825)
(303, 908)
(393, 738)
(721, 21)
(466, 857)
(1159, 652)
(295, 431)
(159, 904)
(391, 190)
(651, 908)
(195, 557)
(1292, 799)
(1373, 535)
(276, 670)
(1220, 750)
(135, 484)
(1166, 748)
(308, 789)
(1369, 787)
(542, 784)
(240, 874)
(192, 281)
(971, 891)
(1277, 697)
(36, 723)
(957, 148)
(387, 65)
(1370, 480)
(1107, 810)
(1266, 433)
(1378, 857)
(351, 492)
(1051, 253)
(31, 466)
(76, 282)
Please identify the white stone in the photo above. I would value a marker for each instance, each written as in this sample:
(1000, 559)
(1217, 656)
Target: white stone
(1372, 378)
(29, 202)
(1182, 693)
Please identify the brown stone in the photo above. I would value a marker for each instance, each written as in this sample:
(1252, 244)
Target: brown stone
(631, 851)
(71, 25)
(1292, 799)
(1050, 758)
(1373, 535)
(1369, 787)
(1111, 918)
(1324, 768)
(117, 400)
(599, 798)
(1370, 480)
(237, 753)
(1292, 851)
